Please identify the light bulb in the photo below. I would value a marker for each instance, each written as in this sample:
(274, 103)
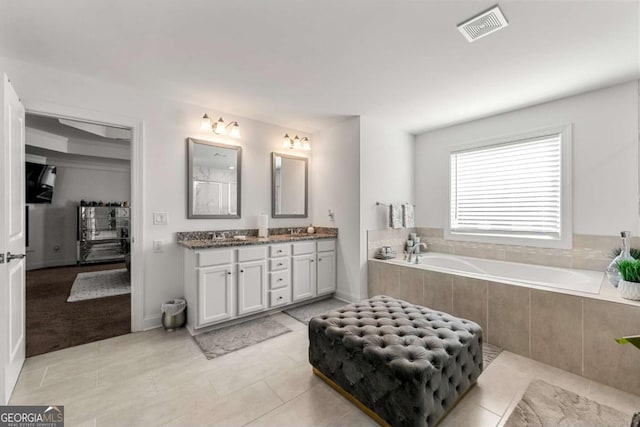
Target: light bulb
(235, 130)
(306, 146)
(205, 124)
(286, 142)
(296, 142)
(219, 127)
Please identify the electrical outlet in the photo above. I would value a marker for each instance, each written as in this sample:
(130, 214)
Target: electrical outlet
(160, 218)
(157, 245)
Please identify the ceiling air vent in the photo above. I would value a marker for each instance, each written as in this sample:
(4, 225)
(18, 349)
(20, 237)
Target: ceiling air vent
(483, 24)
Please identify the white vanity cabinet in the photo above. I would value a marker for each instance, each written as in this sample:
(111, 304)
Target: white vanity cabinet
(222, 284)
(326, 277)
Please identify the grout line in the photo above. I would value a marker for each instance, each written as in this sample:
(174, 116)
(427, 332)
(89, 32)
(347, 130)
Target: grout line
(46, 369)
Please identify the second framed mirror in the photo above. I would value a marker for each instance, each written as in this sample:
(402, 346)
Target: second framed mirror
(289, 186)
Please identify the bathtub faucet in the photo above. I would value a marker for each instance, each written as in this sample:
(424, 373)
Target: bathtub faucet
(413, 256)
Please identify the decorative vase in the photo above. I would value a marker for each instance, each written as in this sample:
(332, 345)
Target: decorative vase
(625, 253)
(629, 290)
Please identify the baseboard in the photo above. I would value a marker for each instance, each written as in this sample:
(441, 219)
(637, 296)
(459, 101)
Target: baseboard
(152, 322)
(346, 297)
(49, 264)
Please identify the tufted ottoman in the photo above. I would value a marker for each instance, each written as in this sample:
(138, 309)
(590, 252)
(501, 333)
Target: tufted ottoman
(405, 363)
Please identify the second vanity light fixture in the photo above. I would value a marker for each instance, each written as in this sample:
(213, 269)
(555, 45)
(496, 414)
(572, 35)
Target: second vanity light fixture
(218, 127)
(296, 143)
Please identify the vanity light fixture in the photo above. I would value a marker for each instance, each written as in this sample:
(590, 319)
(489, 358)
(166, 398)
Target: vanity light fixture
(296, 143)
(218, 127)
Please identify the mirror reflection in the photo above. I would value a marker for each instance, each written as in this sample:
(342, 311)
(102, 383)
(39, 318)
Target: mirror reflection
(214, 180)
(289, 186)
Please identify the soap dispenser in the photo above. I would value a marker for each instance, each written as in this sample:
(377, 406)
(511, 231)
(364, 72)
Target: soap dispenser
(613, 274)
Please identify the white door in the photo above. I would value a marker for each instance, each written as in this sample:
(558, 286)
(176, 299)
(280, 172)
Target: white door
(214, 299)
(12, 240)
(326, 272)
(304, 277)
(252, 286)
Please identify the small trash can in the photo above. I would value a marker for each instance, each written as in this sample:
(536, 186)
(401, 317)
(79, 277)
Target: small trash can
(174, 314)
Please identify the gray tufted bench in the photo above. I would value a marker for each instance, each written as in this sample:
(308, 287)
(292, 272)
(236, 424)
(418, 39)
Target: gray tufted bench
(407, 364)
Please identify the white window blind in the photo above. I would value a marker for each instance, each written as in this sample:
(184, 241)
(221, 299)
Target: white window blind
(508, 189)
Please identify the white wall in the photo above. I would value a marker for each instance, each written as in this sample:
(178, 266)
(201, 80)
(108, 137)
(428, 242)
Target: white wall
(605, 157)
(52, 227)
(387, 174)
(166, 125)
(335, 180)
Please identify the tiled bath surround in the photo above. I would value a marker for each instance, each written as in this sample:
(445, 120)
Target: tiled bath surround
(588, 252)
(569, 332)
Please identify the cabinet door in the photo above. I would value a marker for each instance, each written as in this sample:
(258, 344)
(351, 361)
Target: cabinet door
(214, 287)
(252, 286)
(304, 277)
(326, 272)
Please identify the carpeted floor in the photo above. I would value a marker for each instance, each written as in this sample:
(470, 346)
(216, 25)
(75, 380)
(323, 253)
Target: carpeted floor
(53, 323)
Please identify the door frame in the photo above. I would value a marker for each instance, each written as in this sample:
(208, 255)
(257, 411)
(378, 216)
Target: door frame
(44, 108)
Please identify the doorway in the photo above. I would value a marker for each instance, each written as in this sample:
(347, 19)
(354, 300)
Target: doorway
(78, 213)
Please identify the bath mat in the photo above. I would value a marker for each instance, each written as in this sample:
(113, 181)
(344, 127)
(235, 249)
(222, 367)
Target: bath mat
(544, 404)
(489, 354)
(304, 313)
(231, 338)
(100, 284)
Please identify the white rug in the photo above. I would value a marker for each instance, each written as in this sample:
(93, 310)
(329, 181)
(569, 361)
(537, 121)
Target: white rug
(100, 284)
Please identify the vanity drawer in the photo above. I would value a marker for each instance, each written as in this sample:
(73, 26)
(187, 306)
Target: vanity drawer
(279, 279)
(279, 250)
(304, 248)
(214, 257)
(326, 245)
(279, 264)
(252, 253)
(279, 297)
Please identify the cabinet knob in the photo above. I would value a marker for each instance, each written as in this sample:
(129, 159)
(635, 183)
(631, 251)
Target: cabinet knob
(279, 251)
(280, 297)
(241, 271)
(311, 260)
(280, 279)
(229, 273)
(319, 259)
(279, 264)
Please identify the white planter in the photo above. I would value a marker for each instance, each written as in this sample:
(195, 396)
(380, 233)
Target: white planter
(629, 290)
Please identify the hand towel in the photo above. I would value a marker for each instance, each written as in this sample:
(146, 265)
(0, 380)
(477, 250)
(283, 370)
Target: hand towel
(408, 220)
(395, 215)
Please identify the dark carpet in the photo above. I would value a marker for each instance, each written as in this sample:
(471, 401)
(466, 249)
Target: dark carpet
(54, 324)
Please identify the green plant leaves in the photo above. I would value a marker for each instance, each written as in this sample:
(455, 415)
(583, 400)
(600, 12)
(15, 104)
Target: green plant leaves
(629, 270)
(633, 340)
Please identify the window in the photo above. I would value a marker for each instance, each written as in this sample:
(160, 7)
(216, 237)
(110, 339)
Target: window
(512, 189)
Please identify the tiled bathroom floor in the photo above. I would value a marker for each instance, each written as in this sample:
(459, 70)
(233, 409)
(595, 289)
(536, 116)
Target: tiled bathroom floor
(158, 378)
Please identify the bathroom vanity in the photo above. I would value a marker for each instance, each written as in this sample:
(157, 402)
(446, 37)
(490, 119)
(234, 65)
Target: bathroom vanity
(227, 279)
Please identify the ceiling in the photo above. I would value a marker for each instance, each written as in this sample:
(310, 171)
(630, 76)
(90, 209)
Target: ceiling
(305, 63)
(54, 126)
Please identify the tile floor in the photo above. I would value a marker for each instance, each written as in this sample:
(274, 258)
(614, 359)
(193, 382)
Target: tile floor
(158, 378)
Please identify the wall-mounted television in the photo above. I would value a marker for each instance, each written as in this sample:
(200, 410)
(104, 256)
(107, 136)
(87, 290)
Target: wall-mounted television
(40, 182)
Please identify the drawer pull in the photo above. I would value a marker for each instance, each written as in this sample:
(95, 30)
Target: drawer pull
(229, 273)
(280, 297)
(241, 271)
(279, 264)
(319, 259)
(279, 251)
(311, 260)
(280, 279)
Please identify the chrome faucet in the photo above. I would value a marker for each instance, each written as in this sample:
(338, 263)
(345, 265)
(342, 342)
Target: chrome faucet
(412, 256)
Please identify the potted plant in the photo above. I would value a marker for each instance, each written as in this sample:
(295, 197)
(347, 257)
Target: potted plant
(629, 286)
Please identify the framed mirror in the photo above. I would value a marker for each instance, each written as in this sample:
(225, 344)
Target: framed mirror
(214, 180)
(289, 186)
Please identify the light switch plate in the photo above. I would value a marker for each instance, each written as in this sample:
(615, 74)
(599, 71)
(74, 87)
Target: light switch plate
(160, 218)
(157, 245)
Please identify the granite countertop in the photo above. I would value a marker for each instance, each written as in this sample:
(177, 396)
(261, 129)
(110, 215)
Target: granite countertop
(253, 240)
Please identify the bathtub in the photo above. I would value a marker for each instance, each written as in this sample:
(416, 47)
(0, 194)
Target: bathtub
(537, 276)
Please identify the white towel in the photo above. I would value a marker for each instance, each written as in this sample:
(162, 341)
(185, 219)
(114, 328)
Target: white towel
(408, 220)
(395, 215)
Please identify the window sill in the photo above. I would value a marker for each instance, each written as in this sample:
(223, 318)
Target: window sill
(565, 242)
